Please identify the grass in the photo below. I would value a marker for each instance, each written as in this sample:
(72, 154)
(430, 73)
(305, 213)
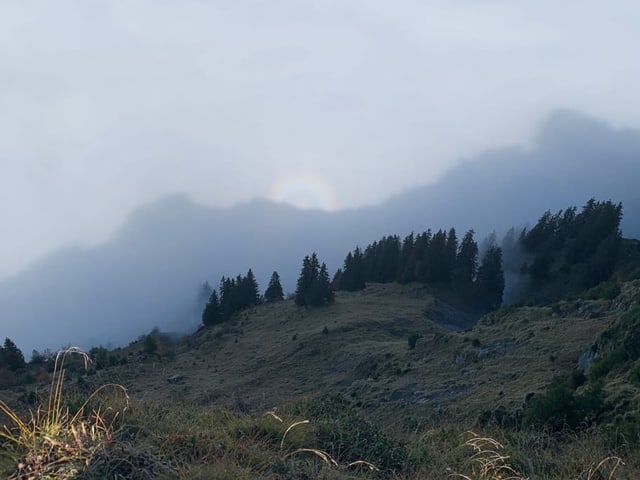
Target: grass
(403, 411)
(53, 441)
(185, 441)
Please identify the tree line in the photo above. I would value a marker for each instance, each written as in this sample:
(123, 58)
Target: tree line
(236, 294)
(430, 258)
(570, 250)
(575, 249)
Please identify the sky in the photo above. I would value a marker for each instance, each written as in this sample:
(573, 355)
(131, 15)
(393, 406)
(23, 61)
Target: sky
(331, 104)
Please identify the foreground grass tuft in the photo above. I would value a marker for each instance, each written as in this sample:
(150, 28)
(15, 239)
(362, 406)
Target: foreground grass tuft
(54, 442)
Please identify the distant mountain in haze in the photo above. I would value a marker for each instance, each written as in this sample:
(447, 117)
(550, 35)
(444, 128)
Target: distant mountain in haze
(150, 272)
(572, 159)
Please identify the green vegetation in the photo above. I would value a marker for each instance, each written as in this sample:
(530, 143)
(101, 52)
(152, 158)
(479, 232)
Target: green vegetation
(274, 292)
(236, 294)
(550, 385)
(11, 357)
(54, 442)
(313, 287)
(561, 407)
(570, 251)
(435, 259)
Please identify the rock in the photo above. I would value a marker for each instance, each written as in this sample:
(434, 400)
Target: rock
(177, 378)
(586, 359)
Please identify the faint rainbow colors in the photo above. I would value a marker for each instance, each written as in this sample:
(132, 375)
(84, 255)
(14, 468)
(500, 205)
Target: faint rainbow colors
(304, 190)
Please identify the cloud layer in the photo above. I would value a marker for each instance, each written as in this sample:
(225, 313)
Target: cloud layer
(149, 273)
(107, 105)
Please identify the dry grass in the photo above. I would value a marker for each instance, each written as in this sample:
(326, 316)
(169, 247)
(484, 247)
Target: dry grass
(365, 356)
(52, 441)
(423, 398)
(488, 461)
(323, 455)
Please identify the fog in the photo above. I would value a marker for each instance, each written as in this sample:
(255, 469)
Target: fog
(106, 106)
(149, 272)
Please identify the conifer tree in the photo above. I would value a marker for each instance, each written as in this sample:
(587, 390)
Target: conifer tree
(227, 293)
(212, 314)
(436, 258)
(490, 279)
(250, 290)
(421, 251)
(451, 253)
(353, 272)
(274, 292)
(305, 281)
(336, 282)
(313, 286)
(11, 356)
(467, 259)
(407, 267)
(324, 293)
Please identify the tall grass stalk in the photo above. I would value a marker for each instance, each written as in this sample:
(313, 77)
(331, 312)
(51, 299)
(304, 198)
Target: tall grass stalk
(52, 442)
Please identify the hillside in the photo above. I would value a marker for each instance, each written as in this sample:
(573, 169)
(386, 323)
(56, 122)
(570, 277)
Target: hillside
(148, 273)
(376, 368)
(356, 354)
(277, 352)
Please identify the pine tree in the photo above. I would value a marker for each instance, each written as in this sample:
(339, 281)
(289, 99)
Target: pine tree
(436, 258)
(250, 290)
(274, 292)
(212, 314)
(467, 259)
(324, 294)
(305, 281)
(336, 282)
(490, 279)
(353, 272)
(451, 253)
(314, 286)
(407, 262)
(421, 252)
(11, 356)
(227, 287)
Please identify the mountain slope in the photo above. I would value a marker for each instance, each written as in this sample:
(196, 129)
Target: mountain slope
(275, 353)
(149, 273)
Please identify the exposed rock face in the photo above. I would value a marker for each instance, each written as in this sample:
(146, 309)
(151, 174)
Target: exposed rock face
(586, 359)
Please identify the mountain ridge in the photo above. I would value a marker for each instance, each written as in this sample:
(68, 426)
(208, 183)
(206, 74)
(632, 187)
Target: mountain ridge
(148, 274)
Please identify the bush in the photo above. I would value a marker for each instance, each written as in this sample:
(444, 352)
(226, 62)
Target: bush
(157, 343)
(606, 290)
(347, 437)
(561, 406)
(102, 358)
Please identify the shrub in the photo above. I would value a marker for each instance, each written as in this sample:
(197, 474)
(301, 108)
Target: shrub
(347, 437)
(606, 290)
(561, 406)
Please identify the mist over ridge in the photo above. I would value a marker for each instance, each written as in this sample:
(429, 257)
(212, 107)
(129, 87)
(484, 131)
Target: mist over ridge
(148, 274)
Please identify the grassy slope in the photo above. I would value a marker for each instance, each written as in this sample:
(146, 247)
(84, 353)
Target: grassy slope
(274, 355)
(277, 352)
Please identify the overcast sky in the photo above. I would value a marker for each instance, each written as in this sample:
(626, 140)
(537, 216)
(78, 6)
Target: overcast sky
(105, 106)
